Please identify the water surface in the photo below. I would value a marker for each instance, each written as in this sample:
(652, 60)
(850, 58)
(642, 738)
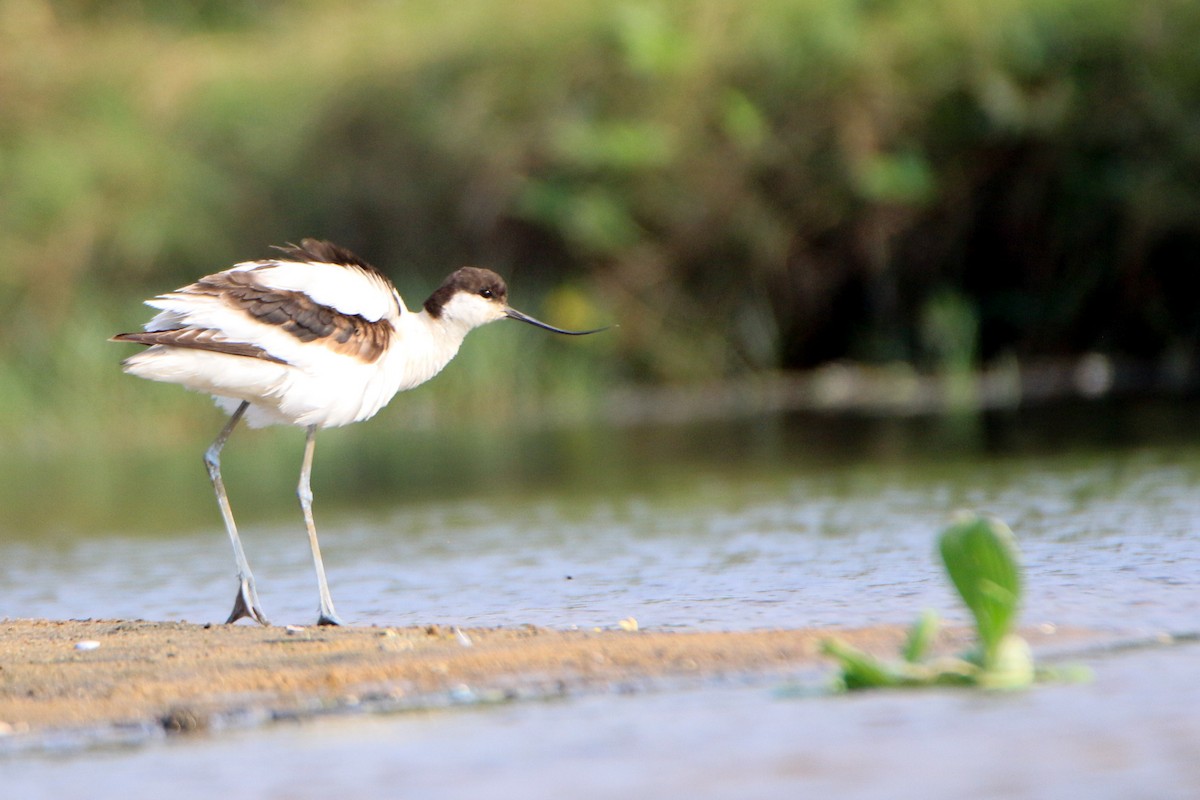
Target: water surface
(1108, 541)
(778, 522)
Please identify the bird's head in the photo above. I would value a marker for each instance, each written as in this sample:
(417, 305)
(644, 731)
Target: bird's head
(472, 296)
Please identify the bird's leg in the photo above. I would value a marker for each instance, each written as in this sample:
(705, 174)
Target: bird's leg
(246, 602)
(327, 615)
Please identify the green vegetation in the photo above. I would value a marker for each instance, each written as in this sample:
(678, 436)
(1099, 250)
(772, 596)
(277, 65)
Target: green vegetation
(980, 556)
(742, 186)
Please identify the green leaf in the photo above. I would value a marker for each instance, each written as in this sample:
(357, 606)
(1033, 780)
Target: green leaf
(980, 555)
(921, 636)
(859, 670)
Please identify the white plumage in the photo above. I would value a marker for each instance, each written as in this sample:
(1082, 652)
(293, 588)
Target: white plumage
(317, 338)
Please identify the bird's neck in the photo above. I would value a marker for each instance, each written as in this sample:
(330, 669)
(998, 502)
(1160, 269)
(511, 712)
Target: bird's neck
(424, 344)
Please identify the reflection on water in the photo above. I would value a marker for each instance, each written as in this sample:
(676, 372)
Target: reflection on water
(372, 468)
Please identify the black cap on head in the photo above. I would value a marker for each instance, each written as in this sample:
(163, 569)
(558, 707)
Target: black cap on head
(472, 280)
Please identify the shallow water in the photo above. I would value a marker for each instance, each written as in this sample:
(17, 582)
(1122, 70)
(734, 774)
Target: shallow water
(710, 539)
(1108, 542)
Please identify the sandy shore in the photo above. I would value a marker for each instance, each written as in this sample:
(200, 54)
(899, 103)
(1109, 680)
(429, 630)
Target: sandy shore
(170, 676)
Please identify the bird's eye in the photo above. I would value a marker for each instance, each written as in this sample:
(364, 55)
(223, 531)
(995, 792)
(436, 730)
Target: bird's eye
(487, 293)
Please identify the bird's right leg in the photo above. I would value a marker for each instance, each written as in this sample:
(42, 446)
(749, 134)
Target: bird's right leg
(245, 604)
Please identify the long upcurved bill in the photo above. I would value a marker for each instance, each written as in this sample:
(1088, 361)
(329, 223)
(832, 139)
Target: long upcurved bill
(512, 313)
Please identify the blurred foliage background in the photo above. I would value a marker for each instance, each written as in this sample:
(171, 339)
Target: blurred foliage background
(744, 187)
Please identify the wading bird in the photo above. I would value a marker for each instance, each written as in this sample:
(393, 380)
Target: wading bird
(316, 338)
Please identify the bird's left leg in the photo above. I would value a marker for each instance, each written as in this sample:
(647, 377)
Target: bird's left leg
(245, 604)
(327, 615)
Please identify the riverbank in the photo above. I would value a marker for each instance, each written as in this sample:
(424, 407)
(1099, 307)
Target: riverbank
(175, 676)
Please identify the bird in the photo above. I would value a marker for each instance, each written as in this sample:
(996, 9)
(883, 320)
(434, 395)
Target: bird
(314, 337)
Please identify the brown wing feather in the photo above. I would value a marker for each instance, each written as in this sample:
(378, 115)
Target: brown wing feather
(197, 339)
(298, 314)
